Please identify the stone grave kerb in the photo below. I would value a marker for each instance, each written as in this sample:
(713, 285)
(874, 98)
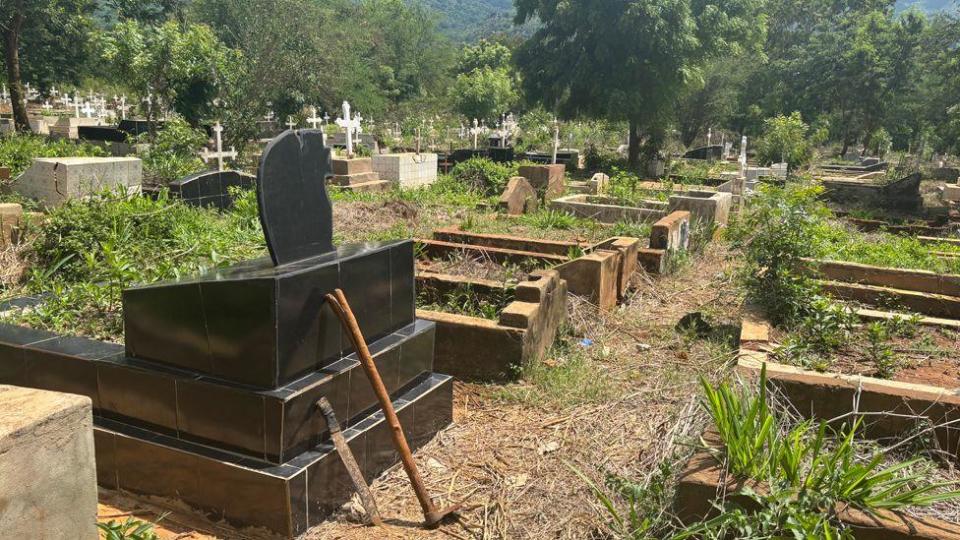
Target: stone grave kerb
(295, 210)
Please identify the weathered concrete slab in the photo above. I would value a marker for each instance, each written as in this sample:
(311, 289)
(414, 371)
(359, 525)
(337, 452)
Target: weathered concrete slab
(608, 209)
(11, 215)
(671, 233)
(48, 483)
(546, 179)
(53, 181)
(519, 197)
(408, 170)
(704, 206)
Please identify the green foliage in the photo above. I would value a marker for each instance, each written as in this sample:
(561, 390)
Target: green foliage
(86, 252)
(485, 54)
(484, 93)
(182, 66)
(782, 226)
(483, 175)
(174, 152)
(880, 142)
(18, 152)
(879, 352)
(129, 529)
(465, 301)
(550, 219)
(785, 140)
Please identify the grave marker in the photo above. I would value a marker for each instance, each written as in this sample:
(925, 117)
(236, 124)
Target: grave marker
(206, 155)
(348, 124)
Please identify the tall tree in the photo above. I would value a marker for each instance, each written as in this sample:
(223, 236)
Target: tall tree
(22, 20)
(628, 60)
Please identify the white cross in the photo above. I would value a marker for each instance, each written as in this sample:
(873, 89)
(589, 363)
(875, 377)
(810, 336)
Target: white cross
(709, 136)
(54, 92)
(269, 116)
(123, 107)
(313, 120)
(556, 140)
(348, 124)
(207, 155)
(76, 105)
(46, 106)
(290, 123)
(4, 95)
(475, 131)
(743, 154)
(87, 109)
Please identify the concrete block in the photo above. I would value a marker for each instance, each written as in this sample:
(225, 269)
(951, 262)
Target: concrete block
(11, 215)
(951, 192)
(546, 179)
(48, 484)
(519, 197)
(704, 206)
(352, 166)
(408, 169)
(607, 209)
(671, 233)
(594, 276)
(53, 181)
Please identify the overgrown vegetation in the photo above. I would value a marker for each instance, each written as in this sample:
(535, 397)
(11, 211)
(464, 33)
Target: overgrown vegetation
(17, 153)
(464, 300)
(173, 153)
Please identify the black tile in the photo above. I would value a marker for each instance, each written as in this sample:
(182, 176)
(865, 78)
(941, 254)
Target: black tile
(52, 371)
(433, 409)
(145, 396)
(13, 367)
(242, 330)
(416, 353)
(20, 335)
(299, 502)
(309, 332)
(403, 296)
(79, 347)
(366, 284)
(166, 324)
(227, 417)
(151, 469)
(303, 423)
(104, 444)
(362, 396)
(328, 482)
(240, 494)
(381, 452)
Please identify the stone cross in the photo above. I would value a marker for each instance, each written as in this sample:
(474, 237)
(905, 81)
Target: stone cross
(46, 105)
(313, 120)
(87, 110)
(709, 136)
(348, 124)
(556, 140)
(475, 131)
(123, 107)
(743, 154)
(290, 123)
(269, 116)
(76, 105)
(54, 92)
(207, 155)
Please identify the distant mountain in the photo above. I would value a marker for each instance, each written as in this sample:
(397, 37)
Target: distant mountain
(929, 6)
(467, 21)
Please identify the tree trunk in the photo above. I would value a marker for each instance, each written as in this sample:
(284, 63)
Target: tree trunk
(12, 45)
(633, 146)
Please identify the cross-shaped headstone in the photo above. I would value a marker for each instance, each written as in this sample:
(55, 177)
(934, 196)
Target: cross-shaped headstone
(348, 124)
(475, 131)
(207, 155)
(87, 110)
(290, 123)
(313, 120)
(743, 154)
(123, 107)
(709, 136)
(556, 140)
(54, 92)
(46, 106)
(269, 116)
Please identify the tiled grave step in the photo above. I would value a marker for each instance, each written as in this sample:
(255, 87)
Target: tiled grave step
(264, 325)
(272, 425)
(286, 498)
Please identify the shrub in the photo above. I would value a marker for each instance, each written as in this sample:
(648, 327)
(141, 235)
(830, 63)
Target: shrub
(785, 140)
(18, 152)
(173, 154)
(483, 174)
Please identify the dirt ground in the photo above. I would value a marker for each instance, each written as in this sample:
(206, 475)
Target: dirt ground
(513, 450)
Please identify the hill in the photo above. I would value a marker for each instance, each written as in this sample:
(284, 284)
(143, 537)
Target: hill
(466, 21)
(928, 6)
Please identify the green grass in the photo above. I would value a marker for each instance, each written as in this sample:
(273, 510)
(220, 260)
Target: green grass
(465, 301)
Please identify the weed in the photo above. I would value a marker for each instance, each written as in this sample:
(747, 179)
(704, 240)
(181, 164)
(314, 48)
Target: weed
(879, 352)
(550, 219)
(904, 327)
(129, 529)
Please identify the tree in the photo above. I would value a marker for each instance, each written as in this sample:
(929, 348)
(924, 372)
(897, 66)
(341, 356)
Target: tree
(182, 67)
(483, 93)
(50, 23)
(628, 60)
(484, 54)
(785, 140)
(710, 102)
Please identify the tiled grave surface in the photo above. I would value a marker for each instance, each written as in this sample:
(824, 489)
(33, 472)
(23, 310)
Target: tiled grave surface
(213, 398)
(211, 189)
(409, 170)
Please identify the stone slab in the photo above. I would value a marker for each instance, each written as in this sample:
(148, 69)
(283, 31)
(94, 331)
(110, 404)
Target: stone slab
(409, 170)
(47, 472)
(519, 197)
(708, 207)
(11, 215)
(53, 181)
(671, 233)
(546, 179)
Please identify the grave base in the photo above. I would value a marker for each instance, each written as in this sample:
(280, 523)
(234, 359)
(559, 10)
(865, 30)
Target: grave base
(286, 499)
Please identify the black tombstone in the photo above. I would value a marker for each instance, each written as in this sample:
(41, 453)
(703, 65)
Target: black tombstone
(101, 133)
(210, 189)
(212, 400)
(713, 152)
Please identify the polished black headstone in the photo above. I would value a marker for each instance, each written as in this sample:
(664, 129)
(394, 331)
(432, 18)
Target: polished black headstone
(295, 210)
(211, 189)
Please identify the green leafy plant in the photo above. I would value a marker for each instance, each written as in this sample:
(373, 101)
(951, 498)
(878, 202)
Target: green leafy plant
(128, 529)
(173, 152)
(785, 140)
(879, 352)
(483, 175)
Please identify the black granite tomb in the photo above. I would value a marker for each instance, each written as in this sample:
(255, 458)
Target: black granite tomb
(212, 400)
(712, 152)
(210, 189)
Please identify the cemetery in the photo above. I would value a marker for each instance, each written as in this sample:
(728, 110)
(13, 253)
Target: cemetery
(479, 271)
